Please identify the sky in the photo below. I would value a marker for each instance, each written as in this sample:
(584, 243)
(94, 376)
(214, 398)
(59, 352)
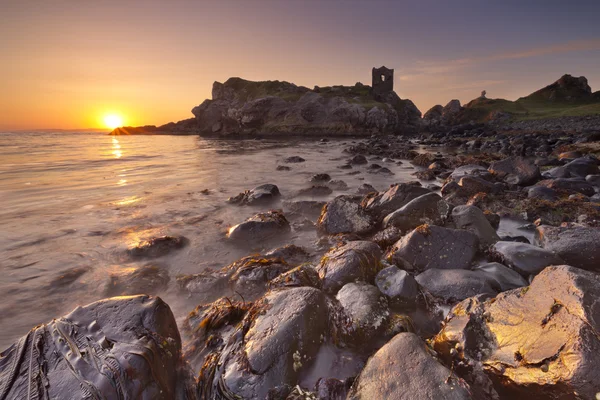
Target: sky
(69, 64)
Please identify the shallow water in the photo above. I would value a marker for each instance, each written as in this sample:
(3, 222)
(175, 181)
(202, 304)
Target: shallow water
(73, 203)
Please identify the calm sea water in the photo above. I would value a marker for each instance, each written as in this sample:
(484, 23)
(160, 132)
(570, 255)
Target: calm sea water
(71, 204)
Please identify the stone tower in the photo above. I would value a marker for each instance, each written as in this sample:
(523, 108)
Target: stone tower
(383, 81)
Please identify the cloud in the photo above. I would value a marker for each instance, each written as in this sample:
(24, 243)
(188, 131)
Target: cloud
(427, 68)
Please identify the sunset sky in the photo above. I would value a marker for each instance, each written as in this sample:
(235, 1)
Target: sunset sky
(69, 64)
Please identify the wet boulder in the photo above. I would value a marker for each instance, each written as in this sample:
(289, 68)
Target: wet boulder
(277, 340)
(145, 279)
(577, 246)
(397, 284)
(96, 349)
(429, 208)
(260, 227)
(157, 247)
(302, 275)
(505, 278)
(542, 193)
(366, 307)
(569, 185)
(355, 261)
(291, 254)
(358, 159)
(470, 170)
(251, 276)
(578, 168)
(307, 208)
(516, 171)
(524, 258)
(404, 369)
(344, 215)
(428, 247)
(397, 196)
(472, 219)
(452, 285)
(387, 237)
(294, 160)
(539, 342)
(314, 191)
(320, 178)
(471, 185)
(260, 195)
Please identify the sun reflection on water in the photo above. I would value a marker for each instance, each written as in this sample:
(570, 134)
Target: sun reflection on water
(116, 148)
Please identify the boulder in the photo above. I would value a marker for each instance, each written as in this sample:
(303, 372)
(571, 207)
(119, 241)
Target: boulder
(307, 208)
(366, 307)
(291, 254)
(320, 178)
(260, 227)
(474, 220)
(470, 185)
(516, 171)
(157, 247)
(358, 159)
(452, 285)
(357, 260)
(294, 160)
(95, 350)
(578, 168)
(344, 215)
(470, 170)
(397, 284)
(524, 258)
(429, 247)
(429, 208)
(577, 246)
(302, 275)
(250, 276)
(397, 196)
(262, 194)
(542, 193)
(539, 342)
(404, 369)
(277, 340)
(569, 185)
(505, 278)
(145, 279)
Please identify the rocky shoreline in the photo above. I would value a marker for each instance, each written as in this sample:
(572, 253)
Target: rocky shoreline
(414, 295)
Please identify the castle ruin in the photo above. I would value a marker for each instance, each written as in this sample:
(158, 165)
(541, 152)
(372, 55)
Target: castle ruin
(383, 81)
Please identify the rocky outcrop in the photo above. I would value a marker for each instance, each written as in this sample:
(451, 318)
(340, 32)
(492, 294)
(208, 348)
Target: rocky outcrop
(241, 107)
(539, 342)
(95, 351)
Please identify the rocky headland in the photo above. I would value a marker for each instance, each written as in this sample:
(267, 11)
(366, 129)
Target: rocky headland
(413, 293)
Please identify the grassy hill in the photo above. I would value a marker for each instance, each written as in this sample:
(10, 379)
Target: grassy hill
(567, 97)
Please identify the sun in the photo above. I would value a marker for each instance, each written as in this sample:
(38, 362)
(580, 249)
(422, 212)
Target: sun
(113, 121)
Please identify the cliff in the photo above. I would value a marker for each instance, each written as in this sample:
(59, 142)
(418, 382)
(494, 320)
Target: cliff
(241, 107)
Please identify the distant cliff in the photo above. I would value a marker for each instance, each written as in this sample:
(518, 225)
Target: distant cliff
(241, 107)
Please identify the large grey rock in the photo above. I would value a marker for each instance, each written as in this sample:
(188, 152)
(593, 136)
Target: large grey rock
(431, 246)
(505, 278)
(516, 170)
(429, 208)
(404, 369)
(357, 260)
(524, 258)
(452, 285)
(277, 340)
(366, 307)
(95, 350)
(578, 246)
(260, 227)
(344, 215)
(397, 284)
(472, 219)
(539, 342)
(397, 196)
